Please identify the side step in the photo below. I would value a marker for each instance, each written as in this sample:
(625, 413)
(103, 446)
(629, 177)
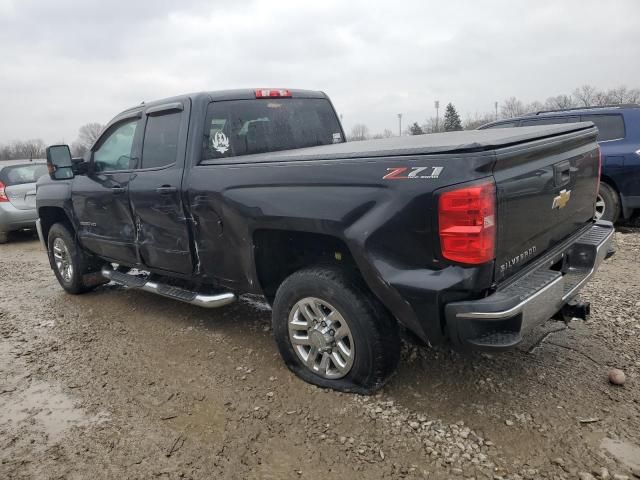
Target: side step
(176, 293)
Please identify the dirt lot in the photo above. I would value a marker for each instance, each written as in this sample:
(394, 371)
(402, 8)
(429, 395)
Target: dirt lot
(124, 384)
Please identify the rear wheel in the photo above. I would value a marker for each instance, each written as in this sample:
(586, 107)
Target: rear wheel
(69, 263)
(607, 203)
(332, 331)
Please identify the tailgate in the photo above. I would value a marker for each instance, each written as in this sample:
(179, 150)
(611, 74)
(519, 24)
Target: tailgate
(546, 191)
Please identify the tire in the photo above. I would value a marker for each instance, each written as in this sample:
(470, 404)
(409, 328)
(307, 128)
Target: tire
(4, 237)
(372, 341)
(607, 204)
(69, 254)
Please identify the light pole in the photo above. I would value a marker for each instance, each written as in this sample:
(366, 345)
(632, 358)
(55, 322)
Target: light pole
(399, 124)
(496, 105)
(437, 105)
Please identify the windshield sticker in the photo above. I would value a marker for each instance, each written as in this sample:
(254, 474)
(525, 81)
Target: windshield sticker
(220, 142)
(337, 137)
(401, 173)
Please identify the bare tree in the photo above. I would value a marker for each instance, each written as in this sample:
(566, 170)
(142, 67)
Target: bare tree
(534, 107)
(633, 96)
(386, 133)
(601, 98)
(5, 152)
(433, 126)
(34, 148)
(512, 107)
(559, 102)
(618, 95)
(471, 123)
(88, 134)
(585, 95)
(359, 132)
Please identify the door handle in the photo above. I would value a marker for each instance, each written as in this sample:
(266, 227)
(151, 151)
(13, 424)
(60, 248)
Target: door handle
(166, 190)
(118, 190)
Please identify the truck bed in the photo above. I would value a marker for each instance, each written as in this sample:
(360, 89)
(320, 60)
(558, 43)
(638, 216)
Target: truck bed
(467, 141)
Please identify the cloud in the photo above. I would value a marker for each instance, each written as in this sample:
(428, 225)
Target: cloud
(67, 63)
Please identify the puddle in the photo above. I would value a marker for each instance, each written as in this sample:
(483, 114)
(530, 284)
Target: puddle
(43, 408)
(626, 453)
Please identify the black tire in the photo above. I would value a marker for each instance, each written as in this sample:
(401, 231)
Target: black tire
(611, 202)
(81, 263)
(374, 331)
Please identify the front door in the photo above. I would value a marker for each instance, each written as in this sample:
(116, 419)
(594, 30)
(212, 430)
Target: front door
(101, 198)
(155, 190)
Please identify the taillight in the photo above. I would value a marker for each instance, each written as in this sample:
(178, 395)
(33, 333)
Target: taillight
(272, 93)
(467, 223)
(3, 194)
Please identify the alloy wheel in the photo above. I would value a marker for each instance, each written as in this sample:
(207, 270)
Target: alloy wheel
(601, 207)
(62, 259)
(321, 338)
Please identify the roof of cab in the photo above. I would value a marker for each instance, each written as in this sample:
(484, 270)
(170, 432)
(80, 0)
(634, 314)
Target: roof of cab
(217, 95)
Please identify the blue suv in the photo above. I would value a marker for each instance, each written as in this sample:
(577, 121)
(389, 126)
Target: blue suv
(619, 139)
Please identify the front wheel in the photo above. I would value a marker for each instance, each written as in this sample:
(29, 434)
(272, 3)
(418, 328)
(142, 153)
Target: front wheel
(332, 332)
(69, 263)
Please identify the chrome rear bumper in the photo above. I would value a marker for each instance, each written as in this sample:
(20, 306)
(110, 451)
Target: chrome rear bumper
(499, 320)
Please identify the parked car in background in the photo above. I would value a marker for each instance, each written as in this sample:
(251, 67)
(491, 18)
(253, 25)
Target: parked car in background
(619, 139)
(18, 194)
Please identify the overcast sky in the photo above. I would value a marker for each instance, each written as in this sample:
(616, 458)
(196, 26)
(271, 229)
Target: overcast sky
(64, 63)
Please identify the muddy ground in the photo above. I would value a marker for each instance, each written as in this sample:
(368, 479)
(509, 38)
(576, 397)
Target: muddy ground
(123, 384)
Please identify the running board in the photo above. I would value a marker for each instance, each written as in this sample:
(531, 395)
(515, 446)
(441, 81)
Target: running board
(176, 293)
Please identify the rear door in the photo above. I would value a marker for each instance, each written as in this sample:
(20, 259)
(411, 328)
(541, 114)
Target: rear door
(156, 197)
(20, 184)
(546, 191)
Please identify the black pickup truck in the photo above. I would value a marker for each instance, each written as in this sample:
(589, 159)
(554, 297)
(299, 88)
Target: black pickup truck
(468, 237)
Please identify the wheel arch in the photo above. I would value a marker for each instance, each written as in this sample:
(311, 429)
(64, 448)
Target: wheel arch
(279, 253)
(49, 216)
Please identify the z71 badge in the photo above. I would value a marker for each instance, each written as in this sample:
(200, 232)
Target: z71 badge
(403, 173)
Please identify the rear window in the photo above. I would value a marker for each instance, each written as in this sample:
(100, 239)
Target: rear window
(245, 127)
(20, 174)
(160, 147)
(610, 127)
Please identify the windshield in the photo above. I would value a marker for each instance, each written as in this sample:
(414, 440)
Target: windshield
(19, 174)
(244, 127)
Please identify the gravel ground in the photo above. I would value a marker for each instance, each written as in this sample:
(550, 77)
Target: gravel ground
(124, 384)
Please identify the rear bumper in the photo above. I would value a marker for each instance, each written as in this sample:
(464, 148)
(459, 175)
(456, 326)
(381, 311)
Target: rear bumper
(12, 218)
(499, 320)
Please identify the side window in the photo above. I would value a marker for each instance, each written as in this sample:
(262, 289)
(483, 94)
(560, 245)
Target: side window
(610, 127)
(530, 122)
(114, 152)
(160, 146)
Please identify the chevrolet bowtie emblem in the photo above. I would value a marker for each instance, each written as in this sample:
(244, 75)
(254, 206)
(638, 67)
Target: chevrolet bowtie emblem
(562, 199)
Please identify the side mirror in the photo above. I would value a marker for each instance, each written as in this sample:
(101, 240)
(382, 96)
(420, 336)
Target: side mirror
(59, 162)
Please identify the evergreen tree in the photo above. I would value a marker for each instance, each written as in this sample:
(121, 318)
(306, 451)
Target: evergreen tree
(451, 119)
(415, 129)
